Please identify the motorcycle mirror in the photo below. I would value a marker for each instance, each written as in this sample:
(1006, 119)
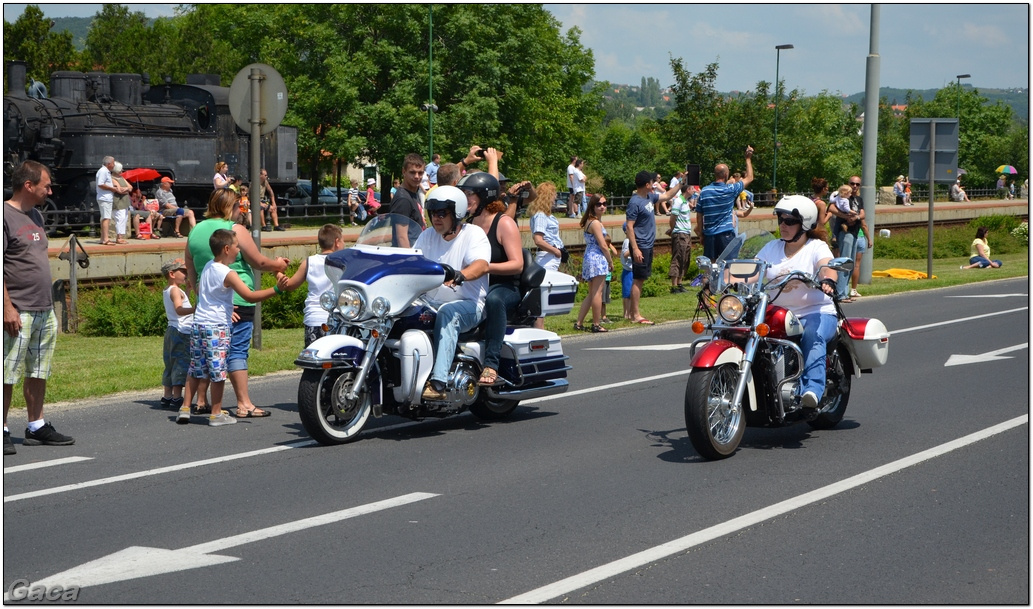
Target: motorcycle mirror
(703, 262)
(843, 265)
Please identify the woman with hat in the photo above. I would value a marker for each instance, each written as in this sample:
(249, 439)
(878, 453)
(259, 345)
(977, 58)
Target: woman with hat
(898, 190)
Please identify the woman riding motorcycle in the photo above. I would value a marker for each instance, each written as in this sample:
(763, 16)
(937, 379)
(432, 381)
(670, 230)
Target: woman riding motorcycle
(803, 247)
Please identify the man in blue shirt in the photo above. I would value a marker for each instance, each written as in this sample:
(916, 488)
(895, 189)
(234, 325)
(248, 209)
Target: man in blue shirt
(432, 170)
(717, 205)
(641, 233)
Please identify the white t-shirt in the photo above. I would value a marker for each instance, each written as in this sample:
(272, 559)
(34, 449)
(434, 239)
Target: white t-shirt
(579, 181)
(570, 176)
(470, 244)
(318, 283)
(104, 177)
(214, 299)
(799, 299)
(177, 321)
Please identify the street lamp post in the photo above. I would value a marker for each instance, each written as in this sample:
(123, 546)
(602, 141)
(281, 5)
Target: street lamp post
(959, 77)
(430, 83)
(774, 160)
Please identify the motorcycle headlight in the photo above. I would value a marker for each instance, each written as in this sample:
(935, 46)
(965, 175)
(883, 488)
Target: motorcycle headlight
(351, 303)
(380, 306)
(731, 308)
(327, 300)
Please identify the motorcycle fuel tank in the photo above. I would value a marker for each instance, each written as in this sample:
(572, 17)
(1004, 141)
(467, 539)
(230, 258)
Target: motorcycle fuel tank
(783, 323)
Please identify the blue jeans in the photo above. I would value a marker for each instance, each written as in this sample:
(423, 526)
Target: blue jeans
(983, 262)
(502, 298)
(240, 346)
(847, 249)
(453, 318)
(818, 330)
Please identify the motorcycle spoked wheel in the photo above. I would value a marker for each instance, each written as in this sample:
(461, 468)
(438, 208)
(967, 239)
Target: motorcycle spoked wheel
(715, 427)
(328, 417)
(837, 390)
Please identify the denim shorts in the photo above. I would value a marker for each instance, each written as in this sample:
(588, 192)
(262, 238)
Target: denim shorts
(240, 346)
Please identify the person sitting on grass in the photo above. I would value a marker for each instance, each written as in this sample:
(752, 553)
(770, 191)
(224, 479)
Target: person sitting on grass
(980, 252)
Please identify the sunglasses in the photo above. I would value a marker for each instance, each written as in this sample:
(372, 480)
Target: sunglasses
(601, 204)
(855, 183)
(789, 221)
(439, 213)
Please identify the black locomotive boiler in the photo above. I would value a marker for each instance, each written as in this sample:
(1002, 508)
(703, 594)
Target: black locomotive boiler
(180, 130)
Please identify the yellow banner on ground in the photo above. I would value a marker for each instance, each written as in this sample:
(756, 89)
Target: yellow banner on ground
(901, 274)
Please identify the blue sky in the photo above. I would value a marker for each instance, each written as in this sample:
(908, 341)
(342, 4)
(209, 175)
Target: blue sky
(921, 46)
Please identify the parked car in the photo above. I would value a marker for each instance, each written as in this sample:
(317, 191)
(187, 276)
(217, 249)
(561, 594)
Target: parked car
(301, 194)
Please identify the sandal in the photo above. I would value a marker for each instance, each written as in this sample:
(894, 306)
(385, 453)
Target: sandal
(154, 236)
(121, 242)
(645, 322)
(254, 413)
(579, 327)
(489, 377)
(202, 409)
(605, 320)
(597, 329)
(177, 235)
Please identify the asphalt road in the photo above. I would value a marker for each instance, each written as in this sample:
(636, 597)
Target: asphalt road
(921, 495)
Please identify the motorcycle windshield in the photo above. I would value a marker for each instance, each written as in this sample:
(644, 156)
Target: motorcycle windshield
(390, 230)
(746, 245)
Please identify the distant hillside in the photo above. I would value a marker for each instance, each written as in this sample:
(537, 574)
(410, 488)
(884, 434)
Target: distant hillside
(1018, 99)
(77, 26)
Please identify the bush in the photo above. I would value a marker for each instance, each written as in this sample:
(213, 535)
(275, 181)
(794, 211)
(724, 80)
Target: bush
(134, 310)
(951, 242)
(285, 310)
(1021, 232)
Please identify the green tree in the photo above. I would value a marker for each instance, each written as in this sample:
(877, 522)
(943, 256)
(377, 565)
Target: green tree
(118, 41)
(29, 39)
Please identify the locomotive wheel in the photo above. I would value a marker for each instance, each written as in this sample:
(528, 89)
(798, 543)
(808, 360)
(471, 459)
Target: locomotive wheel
(52, 219)
(327, 416)
(837, 390)
(715, 427)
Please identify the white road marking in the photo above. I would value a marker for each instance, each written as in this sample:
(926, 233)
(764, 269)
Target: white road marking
(623, 565)
(173, 468)
(990, 356)
(990, 296)
(941, 324)
(136, 562)
(154, 472)
(52, 463)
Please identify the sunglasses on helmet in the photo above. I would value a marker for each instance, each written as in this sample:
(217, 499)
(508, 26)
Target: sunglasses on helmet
(789, 220)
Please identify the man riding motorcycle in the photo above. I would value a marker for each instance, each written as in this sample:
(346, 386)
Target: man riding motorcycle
(464, 247)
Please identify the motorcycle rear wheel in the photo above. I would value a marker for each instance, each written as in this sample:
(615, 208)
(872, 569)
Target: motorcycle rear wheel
(489, 409)
(328, 417)
(837, 390)
(715, 427)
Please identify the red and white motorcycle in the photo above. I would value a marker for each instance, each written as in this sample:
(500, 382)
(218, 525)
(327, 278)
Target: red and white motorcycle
(747, 372)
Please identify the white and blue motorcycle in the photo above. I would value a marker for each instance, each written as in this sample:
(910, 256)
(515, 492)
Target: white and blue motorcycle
(378, 351)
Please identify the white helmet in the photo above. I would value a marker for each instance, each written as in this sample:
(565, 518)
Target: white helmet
(447, 197)
(800, 207)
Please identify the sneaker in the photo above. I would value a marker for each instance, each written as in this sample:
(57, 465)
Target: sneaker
(267, 229)
(184, 415)
(166, 402)
(8, 445)
(175, 403)
(218, 420)
(854, 294)
(809, 400)
(47, 435)
(279, 228)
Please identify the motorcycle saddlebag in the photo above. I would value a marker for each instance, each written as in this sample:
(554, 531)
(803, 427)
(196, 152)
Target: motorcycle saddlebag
(870, 340)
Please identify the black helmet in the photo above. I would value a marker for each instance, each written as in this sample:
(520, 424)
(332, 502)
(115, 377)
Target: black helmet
(482, 184)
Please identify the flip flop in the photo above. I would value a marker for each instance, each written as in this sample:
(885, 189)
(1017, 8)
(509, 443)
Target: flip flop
(254, 413)
(645, 322)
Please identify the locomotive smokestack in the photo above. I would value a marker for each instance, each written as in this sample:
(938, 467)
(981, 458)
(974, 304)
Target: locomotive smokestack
(16, 79)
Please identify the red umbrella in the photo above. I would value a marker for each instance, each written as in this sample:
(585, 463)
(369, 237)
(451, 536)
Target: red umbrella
(140, 174)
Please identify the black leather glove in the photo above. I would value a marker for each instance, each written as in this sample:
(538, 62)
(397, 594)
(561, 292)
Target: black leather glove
(564, 255)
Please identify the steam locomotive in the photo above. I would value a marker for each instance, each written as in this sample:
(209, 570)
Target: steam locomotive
(180, 130)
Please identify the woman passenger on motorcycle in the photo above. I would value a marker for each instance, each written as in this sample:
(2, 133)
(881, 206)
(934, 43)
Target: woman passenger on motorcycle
(507, 262)
(803, 246)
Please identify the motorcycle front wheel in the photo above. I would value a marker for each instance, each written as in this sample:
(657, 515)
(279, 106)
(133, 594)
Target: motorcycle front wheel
(328, 416)
(837, 390)
(715, 427)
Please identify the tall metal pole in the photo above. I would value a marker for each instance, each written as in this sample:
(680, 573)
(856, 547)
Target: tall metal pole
(255, 149)
(870, 140)
(430, 82)
(774, 158)
(959, 77)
